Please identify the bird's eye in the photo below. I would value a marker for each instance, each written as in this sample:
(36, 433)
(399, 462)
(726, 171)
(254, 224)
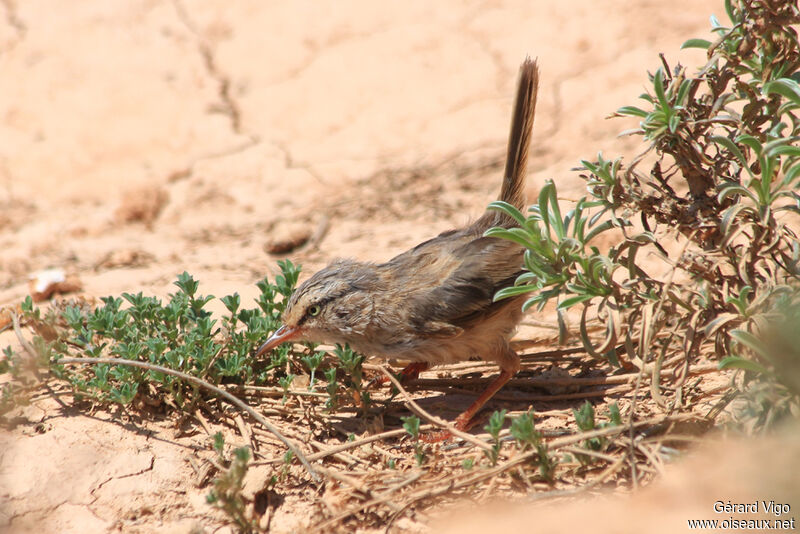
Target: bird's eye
(313, 310)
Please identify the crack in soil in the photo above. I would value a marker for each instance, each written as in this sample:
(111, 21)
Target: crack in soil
(315, 50)
(128, 475)
(290, 162)
(188, 170)
(228, 104)
(45, 510)
(502, 73)
(13, 20)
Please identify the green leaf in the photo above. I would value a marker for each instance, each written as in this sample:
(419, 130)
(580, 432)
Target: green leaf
(786, 87)
(411, 425)
(728, 190)
(508, 209)
(750, 341)
(733, 149)
(543, 206)
(737, 362)
(791, 174)
(774, 143)
(584, 416)
(793, 151)
(555, 209)
(728, 217)
(599, 229)
(571, 301)
(658, 85)
(696, 43)
(513, 291)
(219, 442)
(495, 424)
(674, 122)
(526, 278)
(187, 283)
(629, 110)
(683, 90)
(232, 302)
(614, 415)
(540, 298)
(751, 142)
(517, 235)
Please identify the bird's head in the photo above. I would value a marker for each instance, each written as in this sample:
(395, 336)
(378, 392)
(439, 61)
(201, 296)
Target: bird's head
(330, 307)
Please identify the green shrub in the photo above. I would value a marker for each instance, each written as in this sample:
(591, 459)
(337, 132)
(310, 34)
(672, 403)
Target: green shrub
(725, 153)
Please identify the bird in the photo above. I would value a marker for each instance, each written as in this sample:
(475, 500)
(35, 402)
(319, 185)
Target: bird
(433, 304)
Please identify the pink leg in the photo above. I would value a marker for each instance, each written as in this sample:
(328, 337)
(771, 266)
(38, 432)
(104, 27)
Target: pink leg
(412, 371)
(464, 421)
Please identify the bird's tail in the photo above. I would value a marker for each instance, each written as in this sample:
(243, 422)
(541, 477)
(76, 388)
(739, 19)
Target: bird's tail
(519, 140)
(513, 189)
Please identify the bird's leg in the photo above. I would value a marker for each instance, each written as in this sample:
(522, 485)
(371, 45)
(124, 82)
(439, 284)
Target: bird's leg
(509, 367)
(412, 371)
(465, 421)
(409, 372)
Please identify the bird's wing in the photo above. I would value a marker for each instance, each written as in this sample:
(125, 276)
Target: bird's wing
(451, 280)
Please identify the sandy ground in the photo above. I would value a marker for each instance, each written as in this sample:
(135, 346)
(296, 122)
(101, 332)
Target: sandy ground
(698, 488)
(141, 139)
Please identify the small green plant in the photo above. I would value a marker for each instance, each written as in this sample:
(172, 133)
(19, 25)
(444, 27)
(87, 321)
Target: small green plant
(332, 388)
(769, 359)
(351, 363)
(10, 393)
(227, 491)
(560, 257)
(614, 417)
(287, 463)
(277, 360)
(286, 382)
(411, 425)
(494, 427)
(313, 361)
(179, 334)
(585, 419)
(526, 437)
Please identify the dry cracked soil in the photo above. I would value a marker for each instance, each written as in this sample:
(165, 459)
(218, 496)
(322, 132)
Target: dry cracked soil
(139, 139)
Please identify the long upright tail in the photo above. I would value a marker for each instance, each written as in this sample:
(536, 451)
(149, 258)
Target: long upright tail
(519, 140)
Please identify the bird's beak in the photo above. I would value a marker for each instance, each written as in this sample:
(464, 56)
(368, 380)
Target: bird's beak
(281, 335)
